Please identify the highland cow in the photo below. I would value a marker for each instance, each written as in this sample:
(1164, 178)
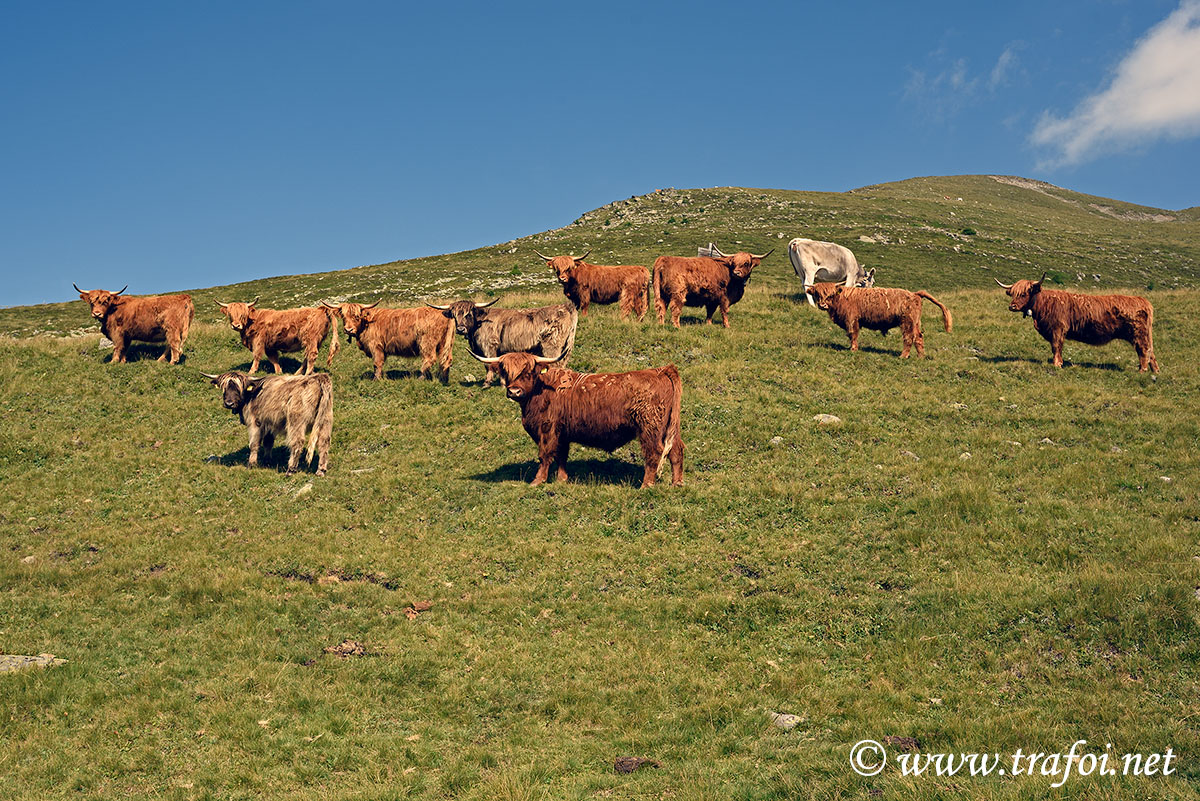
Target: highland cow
(813, 260)
(381, 333)
(156, 318)
(878, 308)
(714, 283)
(547, 331)
(270, 332)
(584, 284)
(294, 405)
(1092, 319)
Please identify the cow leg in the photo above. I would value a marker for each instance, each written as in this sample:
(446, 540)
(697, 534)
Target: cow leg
(652, 455)
(709, 312)
(560, 456)
(639, 305)
(295, 441)
(268, 446)
(445, 361)
(254, 362)
(660, 309)
(166, 352)
(273, 357)
(1056, 347)
(310, 362)
(323, 436)
(120, 342)
(809, 280)
(490, 376)
(175, 344)
(725, 312)
(584, 301)
(255, 437)
(852, 330)
(379, 357)
(676, 457)
(676, 309)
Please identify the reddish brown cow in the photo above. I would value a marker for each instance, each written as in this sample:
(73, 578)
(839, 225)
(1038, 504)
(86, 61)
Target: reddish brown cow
(156, 318)
(714, 283)
(585, 283)
(381, 333)
(1094, 319)
(599, 410)
(270, 332)
(878, 308)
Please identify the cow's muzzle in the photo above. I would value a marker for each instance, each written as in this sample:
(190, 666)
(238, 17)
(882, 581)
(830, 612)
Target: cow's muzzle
(514, 393)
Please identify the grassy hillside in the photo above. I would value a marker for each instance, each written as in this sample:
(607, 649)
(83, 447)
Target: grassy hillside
(986, 554)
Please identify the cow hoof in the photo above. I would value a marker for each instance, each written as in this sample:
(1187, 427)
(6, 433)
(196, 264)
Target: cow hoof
(320, 472)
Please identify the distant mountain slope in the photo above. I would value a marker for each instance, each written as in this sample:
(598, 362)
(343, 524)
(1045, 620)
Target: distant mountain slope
(936, 232)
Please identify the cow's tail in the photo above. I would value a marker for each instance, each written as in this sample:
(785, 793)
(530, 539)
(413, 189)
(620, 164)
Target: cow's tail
(187, 321)
(331, 316)
(323, 419)
(569, 345)
(947, 320)
(670, 431)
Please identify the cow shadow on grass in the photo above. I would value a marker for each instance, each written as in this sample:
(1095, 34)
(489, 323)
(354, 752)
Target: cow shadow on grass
(290, 366)
(1067, 363)
(146, 352)
(398, 375)
(275, 459)
(579, 471)
(863, 348)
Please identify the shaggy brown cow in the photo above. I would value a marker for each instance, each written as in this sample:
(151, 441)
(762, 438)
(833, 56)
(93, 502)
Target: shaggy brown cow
(599, 410)
(282, 404)
(1094, 319)
(714, 283)
(399, 332)
(156, 318)
(585, 283)
(548, 331)
(270, 332)
(877, 308)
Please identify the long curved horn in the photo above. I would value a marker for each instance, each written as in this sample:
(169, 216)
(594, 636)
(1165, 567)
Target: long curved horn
(222, 305)
(548, 359)
(329, 305)
(1003, 285)
(122, 289)
(210, 377)
(484, 359)
(763, 256)
(1040, 280)
(542, 257)
(485, 305)
(77, 289)
(251, 303)
(435, 306)
(372, 305)
(581, 258)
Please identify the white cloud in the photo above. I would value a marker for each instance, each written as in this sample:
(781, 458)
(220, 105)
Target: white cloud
(1155, 93)
(1000, 71)
(951, 87)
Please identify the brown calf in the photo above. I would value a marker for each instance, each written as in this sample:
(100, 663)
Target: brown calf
(584, 284)
(276, 404)
(381, 333)
(878, 308)
(1093, 319)
(546, 331)
(599, 410)
(156, 318)
(270, 332)
(714, 283)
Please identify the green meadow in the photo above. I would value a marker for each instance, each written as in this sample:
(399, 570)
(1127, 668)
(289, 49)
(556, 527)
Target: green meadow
(985, 554)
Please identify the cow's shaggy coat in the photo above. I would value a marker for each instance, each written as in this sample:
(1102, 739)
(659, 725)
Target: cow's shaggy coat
(585, 283)
(547, 331)
(157, 318)
(599, 410)
(714, 283)
(293, 405)
(421, 332)
(269, 332)
(827, 261)
(1093, 319)
(878, 308)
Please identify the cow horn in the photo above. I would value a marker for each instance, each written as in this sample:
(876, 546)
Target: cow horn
(548, 359)
(371, 305)
(435, 306)
(1040, 280)
(1002, 285)
(222, 305)
(77, 289)
(122, 289)
(329, 305)
(251, 303)
(581, 258)
(543, 258)
(763, 256)
(484, 359)
(485, 305)
(210, 377)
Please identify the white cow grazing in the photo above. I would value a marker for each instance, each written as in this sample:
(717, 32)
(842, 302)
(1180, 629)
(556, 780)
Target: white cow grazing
(826, 261)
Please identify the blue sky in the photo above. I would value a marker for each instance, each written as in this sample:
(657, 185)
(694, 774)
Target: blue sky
(181, 145)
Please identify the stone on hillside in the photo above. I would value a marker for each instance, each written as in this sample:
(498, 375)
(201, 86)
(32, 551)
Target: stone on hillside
(827, 419)
(783, 720)
(776, 440)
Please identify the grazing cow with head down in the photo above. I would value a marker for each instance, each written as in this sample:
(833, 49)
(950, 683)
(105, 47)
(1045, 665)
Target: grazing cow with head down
(585, 283)
(270, 332)
(714, 283)
(547, 331)
(399, 332)
(292, 405)
(158, 318)
(878, 308)
(599, 410)
(1093, 319)
(827, 261)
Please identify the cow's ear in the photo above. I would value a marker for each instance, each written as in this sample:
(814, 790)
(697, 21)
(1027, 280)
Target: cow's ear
(839, 289)
(253, 386)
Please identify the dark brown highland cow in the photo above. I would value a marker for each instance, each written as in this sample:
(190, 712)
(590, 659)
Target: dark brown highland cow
(1092, 319)
(599, 410)
(282, 404)
(270, 332)
(380, 333)
(714, 283)
(584, 284)
(157, 318)
(878, 308)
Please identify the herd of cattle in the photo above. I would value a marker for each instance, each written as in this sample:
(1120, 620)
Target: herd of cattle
(519, 346)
